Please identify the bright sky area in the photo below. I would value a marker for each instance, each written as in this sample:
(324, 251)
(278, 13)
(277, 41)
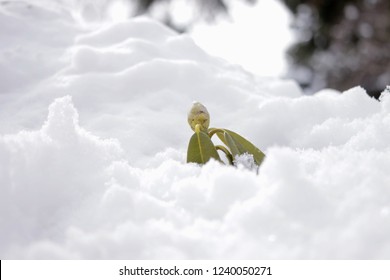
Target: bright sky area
(233, 39)
(263, 54)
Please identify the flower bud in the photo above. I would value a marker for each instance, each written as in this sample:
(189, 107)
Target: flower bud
(199, 115)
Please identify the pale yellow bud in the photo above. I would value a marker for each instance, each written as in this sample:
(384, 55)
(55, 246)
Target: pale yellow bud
(199, 115)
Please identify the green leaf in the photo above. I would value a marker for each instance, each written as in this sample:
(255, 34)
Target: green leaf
(235, 148)
(201, 149)
(238, 145)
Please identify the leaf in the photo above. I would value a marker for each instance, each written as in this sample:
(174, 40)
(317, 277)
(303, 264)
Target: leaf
(235, 148)
(238, 145)
(201, 149)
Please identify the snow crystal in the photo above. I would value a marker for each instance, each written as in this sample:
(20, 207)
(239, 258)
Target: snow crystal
(92, 155)
(245, 161)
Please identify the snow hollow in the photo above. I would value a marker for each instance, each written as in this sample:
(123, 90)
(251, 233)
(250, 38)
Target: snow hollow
(93, 138)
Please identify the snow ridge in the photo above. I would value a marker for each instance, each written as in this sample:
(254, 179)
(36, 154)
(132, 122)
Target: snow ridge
(92, 157)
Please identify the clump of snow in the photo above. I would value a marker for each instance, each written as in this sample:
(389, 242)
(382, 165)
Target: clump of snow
(92, 156)
(245, 161)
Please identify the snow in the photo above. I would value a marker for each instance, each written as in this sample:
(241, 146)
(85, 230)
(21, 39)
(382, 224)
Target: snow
(93, 137)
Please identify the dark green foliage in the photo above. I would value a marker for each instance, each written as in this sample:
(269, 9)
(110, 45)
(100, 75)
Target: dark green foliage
(346, 43)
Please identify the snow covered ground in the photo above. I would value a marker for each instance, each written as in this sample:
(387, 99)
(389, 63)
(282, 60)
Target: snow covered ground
(93, 138)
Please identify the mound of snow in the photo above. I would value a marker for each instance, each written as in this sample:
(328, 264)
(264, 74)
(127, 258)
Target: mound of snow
(92, 158)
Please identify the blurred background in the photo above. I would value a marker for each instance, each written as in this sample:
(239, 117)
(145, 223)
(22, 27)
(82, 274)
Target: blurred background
(319, 43)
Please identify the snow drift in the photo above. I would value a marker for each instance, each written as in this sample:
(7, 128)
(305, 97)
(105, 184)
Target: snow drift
(92, 156)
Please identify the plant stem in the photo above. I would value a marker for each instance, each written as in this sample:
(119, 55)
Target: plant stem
(227, 153)
(212, 131)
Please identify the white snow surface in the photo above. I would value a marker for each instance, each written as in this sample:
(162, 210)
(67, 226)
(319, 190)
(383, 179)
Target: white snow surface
(93, 139)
